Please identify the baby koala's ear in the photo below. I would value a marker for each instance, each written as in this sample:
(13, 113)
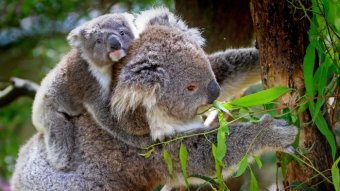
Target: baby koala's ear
(74, 38)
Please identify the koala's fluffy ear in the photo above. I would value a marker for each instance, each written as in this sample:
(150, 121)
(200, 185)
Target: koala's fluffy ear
(130, 18)
(138, 85)
(162, 16)
(74, 37)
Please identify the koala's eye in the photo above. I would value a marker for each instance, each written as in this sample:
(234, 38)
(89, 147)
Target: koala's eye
(191, 88)
(98, 41)
(121, 33)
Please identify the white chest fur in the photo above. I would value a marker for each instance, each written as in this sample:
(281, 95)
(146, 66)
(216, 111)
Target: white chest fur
(103, 76)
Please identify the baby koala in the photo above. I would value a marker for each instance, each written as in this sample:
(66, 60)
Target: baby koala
(81, 81)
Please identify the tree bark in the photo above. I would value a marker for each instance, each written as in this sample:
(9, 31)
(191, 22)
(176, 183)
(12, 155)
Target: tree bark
(281, 33)
(224, 23)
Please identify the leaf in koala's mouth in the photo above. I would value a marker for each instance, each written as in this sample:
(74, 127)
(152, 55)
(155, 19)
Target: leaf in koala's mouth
(117, 55)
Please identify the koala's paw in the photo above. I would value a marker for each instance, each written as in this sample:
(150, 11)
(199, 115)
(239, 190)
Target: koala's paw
(278, 134)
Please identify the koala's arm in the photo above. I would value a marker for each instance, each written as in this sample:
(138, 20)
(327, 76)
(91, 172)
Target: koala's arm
(50, 117)
(268, 134)
(235, 69)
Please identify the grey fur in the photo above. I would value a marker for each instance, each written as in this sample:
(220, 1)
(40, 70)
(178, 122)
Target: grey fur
(235, 69)
(81, 81)
(101, 161)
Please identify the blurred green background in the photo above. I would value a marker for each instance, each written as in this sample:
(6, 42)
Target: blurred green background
(33, 39)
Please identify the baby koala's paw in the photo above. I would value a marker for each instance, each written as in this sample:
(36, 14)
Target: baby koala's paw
(278, 134)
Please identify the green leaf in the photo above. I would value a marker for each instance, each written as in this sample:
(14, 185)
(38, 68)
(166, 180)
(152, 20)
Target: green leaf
(254, 186)
(287, 115)
(260, 98)
(223, 123)
(258, 161)
(302, 108)
(168, 161)
(219, 106)
(224, 108)
(336, 175)
(322, 84)
(218, 168)
(322, 125)
(221, 149)
(148, 154)
(243, 166)
(270, 107)
(183, 158)
(332, 10)
(308, 68)
(207, 179)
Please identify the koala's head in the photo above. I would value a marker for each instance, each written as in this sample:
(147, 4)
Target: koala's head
(169, 75)
(105, 39)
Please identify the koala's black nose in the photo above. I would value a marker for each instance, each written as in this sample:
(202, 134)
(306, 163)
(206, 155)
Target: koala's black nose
(213, 91)
(114, 43)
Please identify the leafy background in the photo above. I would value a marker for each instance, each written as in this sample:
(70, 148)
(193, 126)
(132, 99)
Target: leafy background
(32, 41)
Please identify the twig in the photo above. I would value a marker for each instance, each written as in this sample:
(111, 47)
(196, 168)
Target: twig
(19, 87)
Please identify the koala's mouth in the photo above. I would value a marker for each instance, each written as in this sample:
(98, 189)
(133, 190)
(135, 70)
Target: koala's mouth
(117, 54)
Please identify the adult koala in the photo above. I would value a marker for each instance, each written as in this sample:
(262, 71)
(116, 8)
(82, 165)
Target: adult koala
(159, 86)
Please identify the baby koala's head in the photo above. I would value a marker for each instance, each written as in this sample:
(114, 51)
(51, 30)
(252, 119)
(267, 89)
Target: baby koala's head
(105, 39)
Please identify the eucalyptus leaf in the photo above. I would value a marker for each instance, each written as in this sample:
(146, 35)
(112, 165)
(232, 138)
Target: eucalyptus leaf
(258, 161)
(308, 70)
(168, 161)
(183, 157)
(242, 166)
(260, 98)
(221, 148)
(322, 125)
(254, 186)
(336, 175)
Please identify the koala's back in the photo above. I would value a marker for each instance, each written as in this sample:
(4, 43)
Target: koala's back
(100, 163)
(64, 88)
(70, 78)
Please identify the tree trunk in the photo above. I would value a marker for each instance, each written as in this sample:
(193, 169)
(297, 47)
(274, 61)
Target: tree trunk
(224, 23)
(281, 32)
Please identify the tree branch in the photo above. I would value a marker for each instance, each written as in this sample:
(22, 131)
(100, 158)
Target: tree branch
(19, 87)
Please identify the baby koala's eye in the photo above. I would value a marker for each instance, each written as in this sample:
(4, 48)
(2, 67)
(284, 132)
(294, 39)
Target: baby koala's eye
(98, 41)
(121, 33)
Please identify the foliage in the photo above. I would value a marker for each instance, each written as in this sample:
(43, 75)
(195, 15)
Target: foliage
(11, 125)
(40, 18)
(323, 54)
(335, 175)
